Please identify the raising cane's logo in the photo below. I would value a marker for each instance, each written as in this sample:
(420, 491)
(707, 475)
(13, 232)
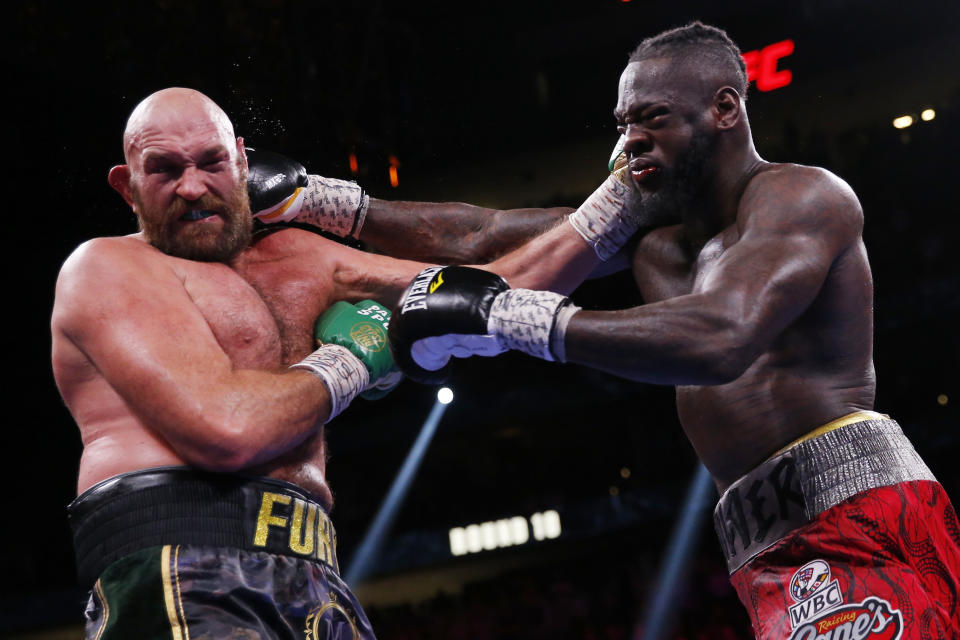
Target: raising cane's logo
(872, 619)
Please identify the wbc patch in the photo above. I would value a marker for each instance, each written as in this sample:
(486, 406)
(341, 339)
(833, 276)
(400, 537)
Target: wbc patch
(820, 613)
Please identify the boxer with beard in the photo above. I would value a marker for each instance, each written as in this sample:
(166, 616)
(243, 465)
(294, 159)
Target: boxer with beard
(759, 310)
(188, 355)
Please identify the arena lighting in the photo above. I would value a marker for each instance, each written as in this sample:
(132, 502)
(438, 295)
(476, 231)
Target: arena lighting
(683, 542)
(927, 115)
(505, 532)
(902, 122)
(373, 539)
(445, 395)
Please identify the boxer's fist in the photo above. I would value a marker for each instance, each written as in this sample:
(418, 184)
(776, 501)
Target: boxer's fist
(274, 183)
(443, 313)
(281, 190)
(362, 328)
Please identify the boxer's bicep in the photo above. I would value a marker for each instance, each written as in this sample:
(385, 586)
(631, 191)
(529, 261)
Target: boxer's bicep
(787, 246)
(359, 275)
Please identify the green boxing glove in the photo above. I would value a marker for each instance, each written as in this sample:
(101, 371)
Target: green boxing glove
(362, 328)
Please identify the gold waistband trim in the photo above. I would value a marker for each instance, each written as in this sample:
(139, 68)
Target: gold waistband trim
(842, 421)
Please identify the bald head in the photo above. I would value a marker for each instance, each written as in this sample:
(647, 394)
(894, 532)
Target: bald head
(176, 111)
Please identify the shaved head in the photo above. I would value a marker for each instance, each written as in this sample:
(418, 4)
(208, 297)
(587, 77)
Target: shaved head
(175, 107)
(185, 176)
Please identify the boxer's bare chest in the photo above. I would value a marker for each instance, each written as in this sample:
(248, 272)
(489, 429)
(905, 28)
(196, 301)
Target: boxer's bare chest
(667, 264)
(261, 308)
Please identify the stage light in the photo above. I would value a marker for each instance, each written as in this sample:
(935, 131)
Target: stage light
(445, 395)
(942, 399)
(365, 557)
(902, 122)
(927, 115)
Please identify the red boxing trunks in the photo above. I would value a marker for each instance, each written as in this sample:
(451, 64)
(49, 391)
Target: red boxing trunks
(180, 553)
(844, 536)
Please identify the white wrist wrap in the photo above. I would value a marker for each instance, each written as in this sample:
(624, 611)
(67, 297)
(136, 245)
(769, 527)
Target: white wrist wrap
(526, 320)
(606, 219)
(344, 374)
(336, 206)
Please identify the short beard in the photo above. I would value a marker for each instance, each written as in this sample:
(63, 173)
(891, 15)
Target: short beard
(197, 242)
(684, 184)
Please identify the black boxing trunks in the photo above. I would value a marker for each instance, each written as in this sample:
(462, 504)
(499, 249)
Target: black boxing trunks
(844, 535)
(180, 553)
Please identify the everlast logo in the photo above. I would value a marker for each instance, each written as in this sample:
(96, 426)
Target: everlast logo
(305, 528)
(872, 619)
(416, 297)
(759, 510)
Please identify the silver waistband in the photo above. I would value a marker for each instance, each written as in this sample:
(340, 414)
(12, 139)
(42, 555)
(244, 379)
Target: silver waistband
(790, 489)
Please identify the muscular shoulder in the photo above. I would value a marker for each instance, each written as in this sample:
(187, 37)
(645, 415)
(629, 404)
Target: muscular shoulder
(802, 196)
(104, 259)
(101, 271)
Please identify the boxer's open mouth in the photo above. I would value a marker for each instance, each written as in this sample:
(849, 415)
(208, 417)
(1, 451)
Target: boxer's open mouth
(644, 173)
(197, 214)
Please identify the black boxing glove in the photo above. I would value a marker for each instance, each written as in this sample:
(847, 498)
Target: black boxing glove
(443, 313)
(461, 312)
(281, 190)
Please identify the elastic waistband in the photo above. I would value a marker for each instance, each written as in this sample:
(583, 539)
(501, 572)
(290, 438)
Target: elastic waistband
(177, 505)
(796, 485)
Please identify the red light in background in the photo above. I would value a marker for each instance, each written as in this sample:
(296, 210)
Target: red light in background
(394, 177)
(762, 66)
(354, 167)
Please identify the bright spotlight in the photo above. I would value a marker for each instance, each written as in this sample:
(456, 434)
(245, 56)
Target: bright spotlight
(927, 115)
(902, 122)
(445, 395)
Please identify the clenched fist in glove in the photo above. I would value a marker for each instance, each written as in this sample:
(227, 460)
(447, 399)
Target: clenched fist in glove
(281, 191)
(461, 312)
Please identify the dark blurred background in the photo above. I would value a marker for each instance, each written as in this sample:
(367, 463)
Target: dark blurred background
(503, 104)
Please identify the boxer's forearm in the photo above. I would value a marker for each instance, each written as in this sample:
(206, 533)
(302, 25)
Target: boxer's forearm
(452, 233)
(683, 341)
(244, 419)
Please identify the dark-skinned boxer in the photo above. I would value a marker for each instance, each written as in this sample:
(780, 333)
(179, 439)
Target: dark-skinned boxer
(759, 310)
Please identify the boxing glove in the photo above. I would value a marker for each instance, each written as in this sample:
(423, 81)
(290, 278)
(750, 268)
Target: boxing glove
(353, 358)
(281, 190)
(459, 312)
(611, 215)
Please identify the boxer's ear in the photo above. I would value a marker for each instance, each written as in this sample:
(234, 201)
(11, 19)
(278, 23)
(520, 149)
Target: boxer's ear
(119, 179)
(242, 150)
(726, 107)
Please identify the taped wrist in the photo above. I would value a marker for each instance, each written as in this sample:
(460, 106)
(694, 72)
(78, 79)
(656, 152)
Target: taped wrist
(343, 373)
(332, 205)
(606, 220)
(534, 322)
